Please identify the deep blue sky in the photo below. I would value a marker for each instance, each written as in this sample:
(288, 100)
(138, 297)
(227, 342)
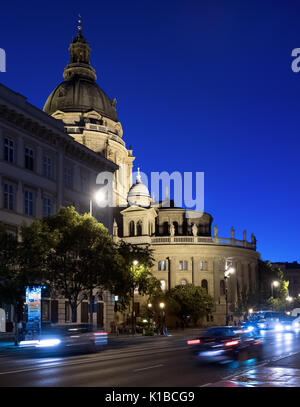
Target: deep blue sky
(200, 86)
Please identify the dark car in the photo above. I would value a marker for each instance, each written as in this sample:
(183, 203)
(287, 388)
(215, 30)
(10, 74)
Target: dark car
(65, 338)
(226, 343)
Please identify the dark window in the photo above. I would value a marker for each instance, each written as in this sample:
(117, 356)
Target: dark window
(28, 204)
(84, 312)
(29, 159)
(131, 228)
(54, 311)
(165, 228)
(204, 285)
(47, 167)
(176, 228)
(9, 196)
(139, 229)
(47, 207)
(68, 177)
(9, 148)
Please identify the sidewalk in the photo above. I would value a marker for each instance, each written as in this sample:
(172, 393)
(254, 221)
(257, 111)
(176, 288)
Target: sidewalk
(262, 377)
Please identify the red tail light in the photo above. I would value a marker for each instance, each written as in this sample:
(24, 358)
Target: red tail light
(193, 342)
(100, 333)
(231, 343)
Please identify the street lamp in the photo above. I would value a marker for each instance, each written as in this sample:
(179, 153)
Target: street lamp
(289, 299)
(162, 307)
(99, 196)
(274, 284)
(228, 271)
(135, 262)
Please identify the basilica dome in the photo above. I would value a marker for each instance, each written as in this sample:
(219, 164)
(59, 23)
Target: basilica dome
(79, 91)
(80, 94)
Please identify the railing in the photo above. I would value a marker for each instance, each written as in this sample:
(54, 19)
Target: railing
(202, 240)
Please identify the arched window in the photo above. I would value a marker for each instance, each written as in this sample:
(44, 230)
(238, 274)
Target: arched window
(204, 285)
(176, 228)
(222, 287)
(165, 229)
(131, 228)
(139, 228)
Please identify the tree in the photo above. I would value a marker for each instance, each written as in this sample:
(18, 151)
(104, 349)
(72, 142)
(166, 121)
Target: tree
(14, 276)
(77, 254)
(188, 302)
(135, 263)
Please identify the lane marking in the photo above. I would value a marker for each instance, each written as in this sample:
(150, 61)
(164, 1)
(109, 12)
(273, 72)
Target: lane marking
(147, 368)
(86, 361)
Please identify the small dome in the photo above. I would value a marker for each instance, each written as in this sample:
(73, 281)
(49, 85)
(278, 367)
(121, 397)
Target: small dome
(138, 194)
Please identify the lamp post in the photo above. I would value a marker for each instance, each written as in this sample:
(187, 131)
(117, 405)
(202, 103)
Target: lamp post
(98, 196)
(162, 307)
(274, 284)
(135, 262)
(228, 271)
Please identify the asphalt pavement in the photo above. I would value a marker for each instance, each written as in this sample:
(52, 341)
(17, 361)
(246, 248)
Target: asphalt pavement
(153, 362)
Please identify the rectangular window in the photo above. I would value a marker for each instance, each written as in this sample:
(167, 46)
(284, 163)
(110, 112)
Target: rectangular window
(29, 159)
(203, 265)
(9, 193)
(47, 207)
(84, 183)
(47, 166)
(185, 265)
(28, 203)
(164, 265)
(9, 149)
(180, 265)
(68, 177)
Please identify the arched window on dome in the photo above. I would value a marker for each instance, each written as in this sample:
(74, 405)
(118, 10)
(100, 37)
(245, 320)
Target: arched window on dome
(131, 228)
(165, 228)
(204, 285)
(176, 228)
(139, 228)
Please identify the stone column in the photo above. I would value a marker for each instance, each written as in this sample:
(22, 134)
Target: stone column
(173, 270)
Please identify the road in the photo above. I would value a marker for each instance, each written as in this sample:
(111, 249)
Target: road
(150, 362)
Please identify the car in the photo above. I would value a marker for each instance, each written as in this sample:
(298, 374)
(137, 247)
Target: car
(79, 337)
(225, 343)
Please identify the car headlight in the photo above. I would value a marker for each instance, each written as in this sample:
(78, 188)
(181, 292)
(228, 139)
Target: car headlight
(47, 342)
(278, 327)
(288, 327)
(261, 325)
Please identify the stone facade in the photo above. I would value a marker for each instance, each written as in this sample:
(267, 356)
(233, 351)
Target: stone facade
(42, 169)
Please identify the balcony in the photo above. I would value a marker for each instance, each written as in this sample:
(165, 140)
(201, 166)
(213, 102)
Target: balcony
(202, 240)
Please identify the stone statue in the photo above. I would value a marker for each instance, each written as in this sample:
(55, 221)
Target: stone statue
(195, 229)
(253, 238)
(245, 235)
(216, 231)
(172, 229)
(232, 232)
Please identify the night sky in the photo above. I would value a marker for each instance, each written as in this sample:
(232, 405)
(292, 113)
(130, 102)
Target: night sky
(200, 86)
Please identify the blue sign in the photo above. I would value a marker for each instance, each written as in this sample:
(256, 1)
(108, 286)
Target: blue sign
(34, 318)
